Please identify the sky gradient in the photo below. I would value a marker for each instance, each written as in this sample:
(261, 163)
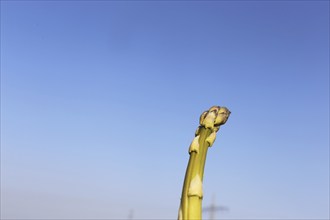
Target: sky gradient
(100, 101)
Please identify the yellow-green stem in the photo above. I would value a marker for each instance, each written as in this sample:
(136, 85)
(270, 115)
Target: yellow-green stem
(192, 192)
(195, 191)
(195, 209)
(184, 197)
(203, 150)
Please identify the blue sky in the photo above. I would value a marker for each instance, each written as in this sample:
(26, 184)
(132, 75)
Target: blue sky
(100, 101)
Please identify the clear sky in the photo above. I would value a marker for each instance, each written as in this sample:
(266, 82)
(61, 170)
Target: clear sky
(100, 101)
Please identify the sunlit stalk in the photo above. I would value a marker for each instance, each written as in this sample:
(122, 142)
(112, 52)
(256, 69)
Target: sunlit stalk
(192, 192)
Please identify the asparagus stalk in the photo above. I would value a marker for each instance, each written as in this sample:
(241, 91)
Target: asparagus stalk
(192, 192)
